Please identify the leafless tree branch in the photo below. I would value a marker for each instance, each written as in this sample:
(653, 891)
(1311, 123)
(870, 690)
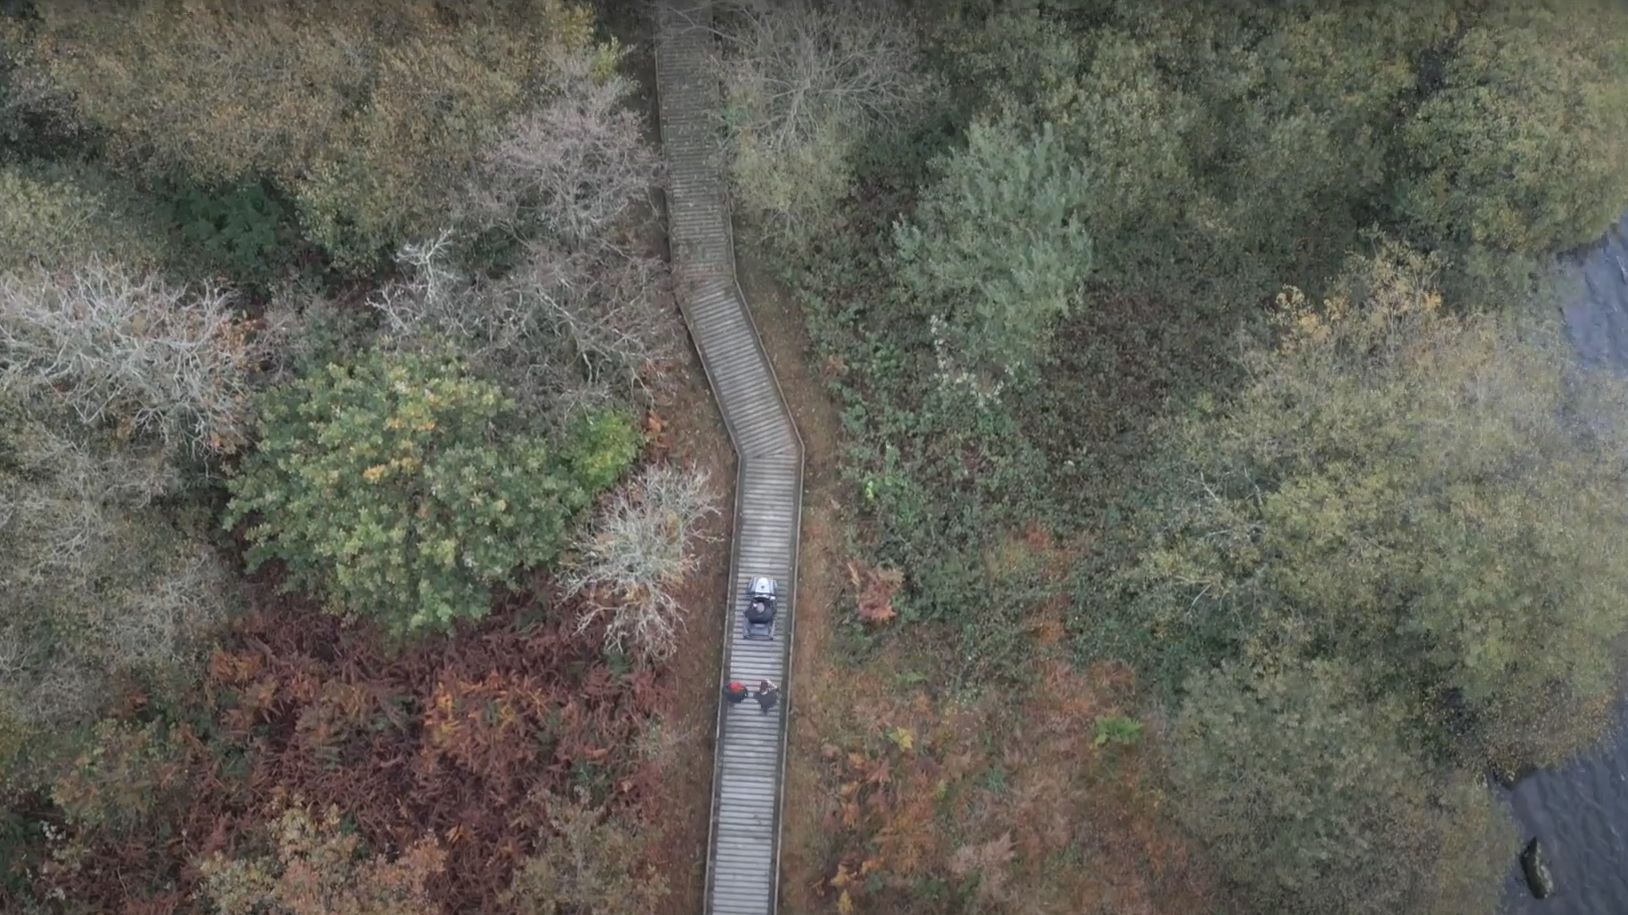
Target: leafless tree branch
(637, 552)
(116, 347)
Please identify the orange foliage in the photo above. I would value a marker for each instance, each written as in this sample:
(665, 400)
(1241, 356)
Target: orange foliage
(464, 740)
(656, 434)
(1002, 800)
(875, 588)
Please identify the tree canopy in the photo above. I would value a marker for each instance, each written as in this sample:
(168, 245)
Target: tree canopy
(1515, 149)
(62, 217)
(1299, 784)
(1428, 496)
(359, 112)
(1239, 146)
(104, 580)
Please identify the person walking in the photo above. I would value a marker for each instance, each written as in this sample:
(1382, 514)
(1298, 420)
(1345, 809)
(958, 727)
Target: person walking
(735, 692)
(767, 695)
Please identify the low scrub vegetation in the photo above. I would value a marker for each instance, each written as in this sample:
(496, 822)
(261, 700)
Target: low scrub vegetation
(950, 805)
(1202, 341)
(482, 737)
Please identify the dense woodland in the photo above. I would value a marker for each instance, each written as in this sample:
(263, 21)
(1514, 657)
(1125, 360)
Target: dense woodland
(341, 567)
(1227, 508)
(1230, 507)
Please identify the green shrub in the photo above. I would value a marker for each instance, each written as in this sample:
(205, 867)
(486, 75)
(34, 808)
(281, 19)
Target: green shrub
(1118, 730)
(588, 865)
(1300, 788)
(597, 448)
(126, 772)
(317, 866)
(59, 217)
(243, 230)
(399, 489)
(996, 245)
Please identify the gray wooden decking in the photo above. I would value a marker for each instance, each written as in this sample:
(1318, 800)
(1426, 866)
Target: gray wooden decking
(743, 855)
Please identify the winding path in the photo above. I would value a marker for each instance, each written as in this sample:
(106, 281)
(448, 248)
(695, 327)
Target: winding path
(743, 855)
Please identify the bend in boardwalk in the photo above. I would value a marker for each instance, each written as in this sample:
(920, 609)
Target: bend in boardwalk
(743, 855)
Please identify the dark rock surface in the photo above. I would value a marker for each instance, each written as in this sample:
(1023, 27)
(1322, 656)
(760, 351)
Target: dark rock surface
(1538, 879)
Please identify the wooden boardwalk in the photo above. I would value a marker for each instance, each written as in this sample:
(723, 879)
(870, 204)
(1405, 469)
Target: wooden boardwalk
(743, 855)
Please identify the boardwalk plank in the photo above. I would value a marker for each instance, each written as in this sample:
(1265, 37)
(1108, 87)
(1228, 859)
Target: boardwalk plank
(744, 846)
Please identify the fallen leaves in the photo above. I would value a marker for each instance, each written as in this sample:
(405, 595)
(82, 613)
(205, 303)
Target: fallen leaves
(989, 863)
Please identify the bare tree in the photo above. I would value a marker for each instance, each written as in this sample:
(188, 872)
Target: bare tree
(99, 582)
(637, 552)
(568, 328)
(803, 85)
(572, 168)
(605, 313)
(581, 319)
(131, 350)
(434, 299)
